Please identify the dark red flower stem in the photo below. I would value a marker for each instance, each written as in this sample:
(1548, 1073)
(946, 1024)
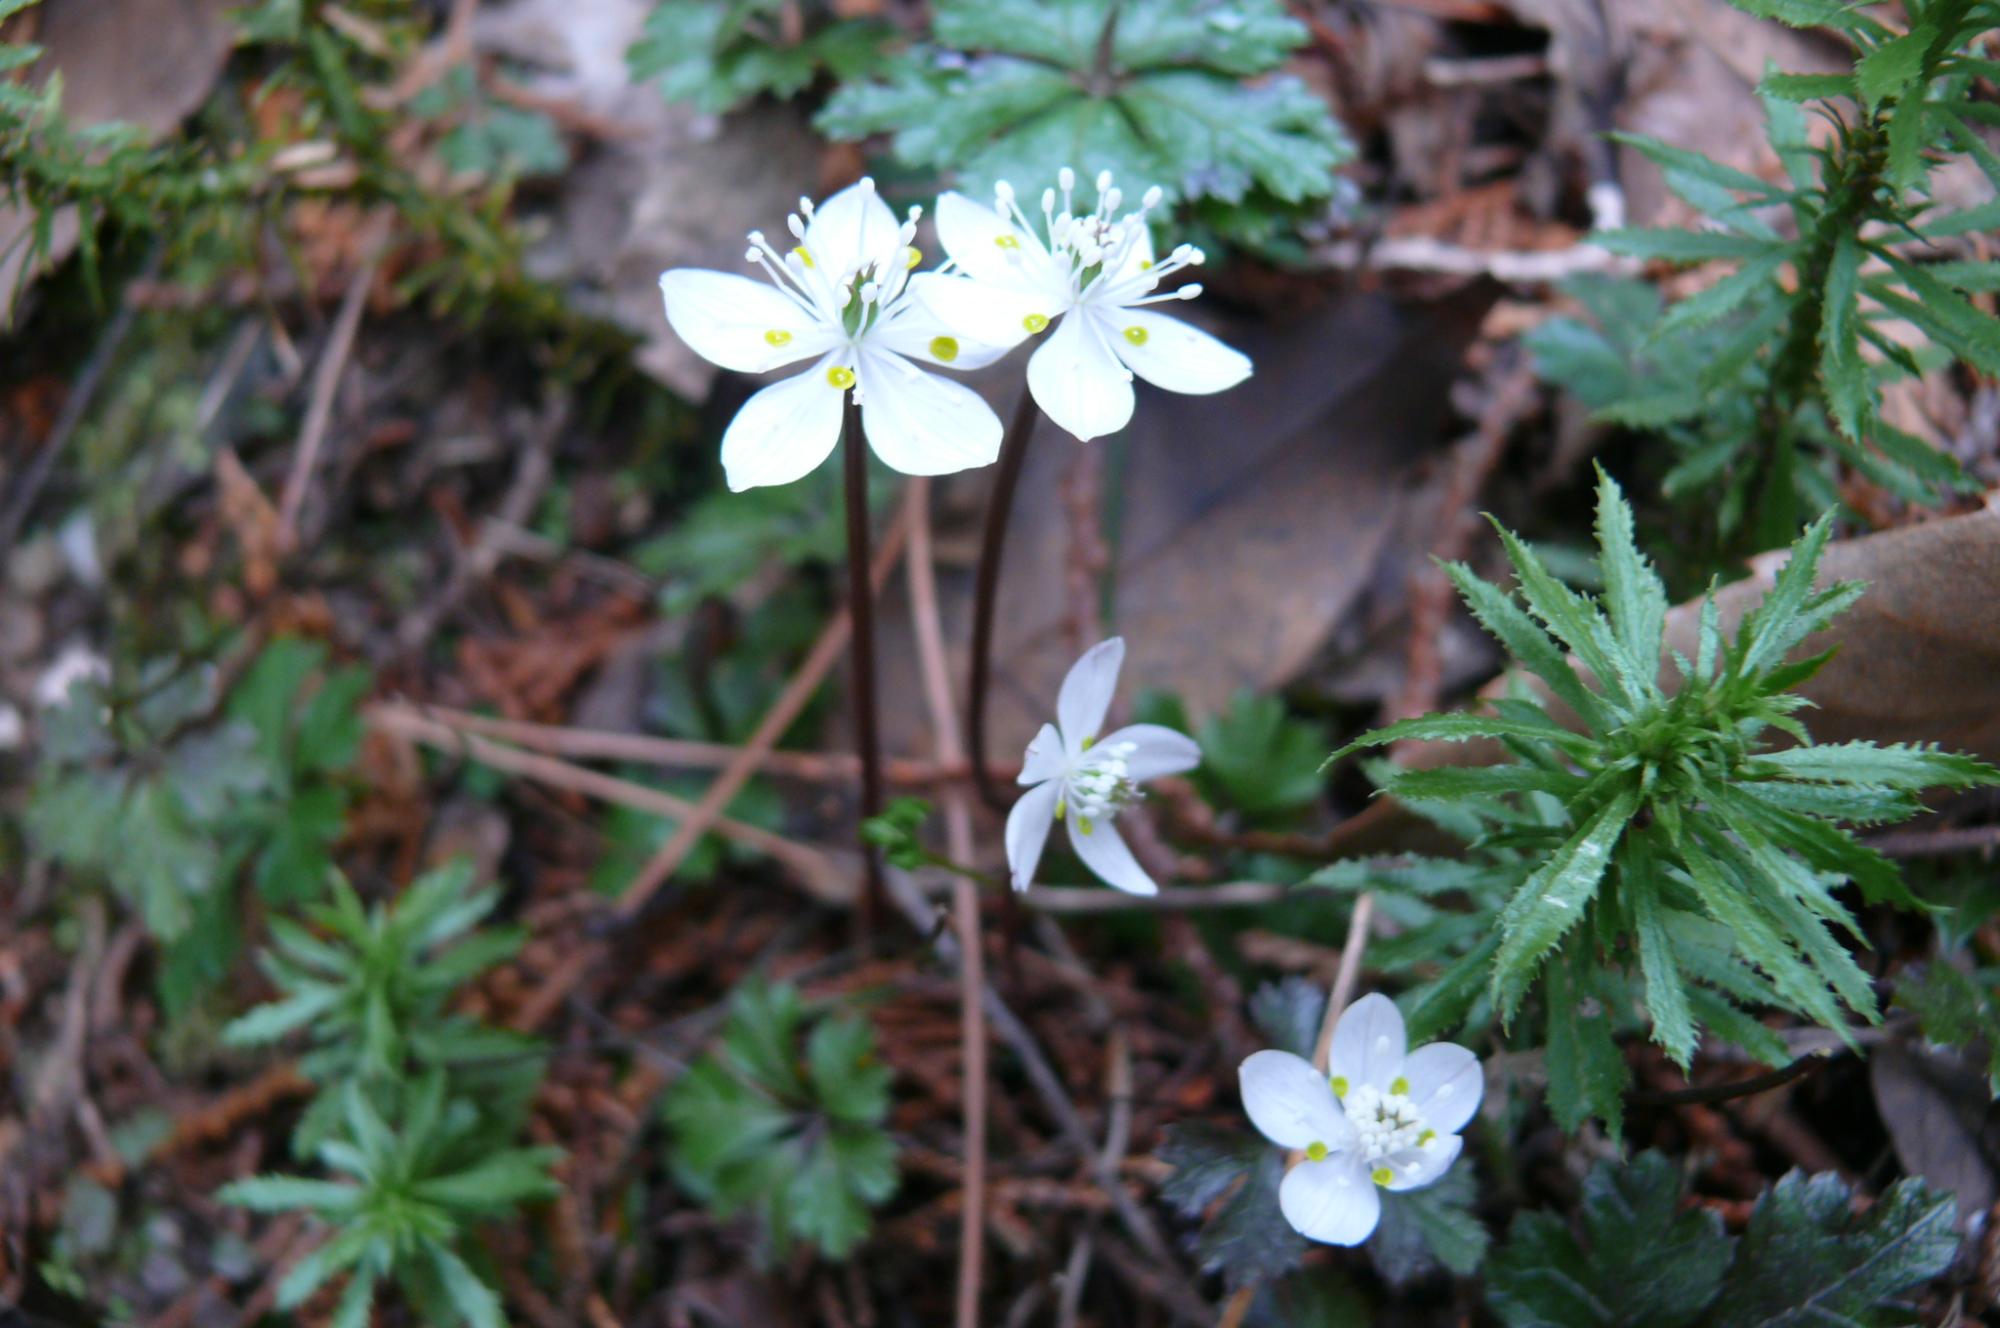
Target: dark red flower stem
(861, 645)
(993, 544)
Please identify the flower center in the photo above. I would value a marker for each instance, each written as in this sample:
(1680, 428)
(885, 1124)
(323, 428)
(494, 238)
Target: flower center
(1099, 784)
(1385, 1124)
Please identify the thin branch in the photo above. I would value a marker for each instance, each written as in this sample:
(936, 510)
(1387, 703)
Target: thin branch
(986, 589)
(809, 866)
(326, 378)
(929, 631)
(861, 613)
(1735, 1088)
(818, 663)
(1075, 899)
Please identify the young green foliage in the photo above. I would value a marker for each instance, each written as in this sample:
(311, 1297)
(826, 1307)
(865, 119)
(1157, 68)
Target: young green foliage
(168, 792)
(419, 1169)
(1664, 832)
(1956, 1009)
(720, 54)
(785, 1122)
(1640, 1261)
(370, 988)
(1775, 371)
(1175, 93)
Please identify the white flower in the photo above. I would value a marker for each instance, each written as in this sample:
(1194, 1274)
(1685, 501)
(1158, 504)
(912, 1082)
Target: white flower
(1083, 779)
(1379, 1118)
(844, 298)
(1087, 276)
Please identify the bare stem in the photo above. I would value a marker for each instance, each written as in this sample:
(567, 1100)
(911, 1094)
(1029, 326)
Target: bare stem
(861, 612)
(993, 543)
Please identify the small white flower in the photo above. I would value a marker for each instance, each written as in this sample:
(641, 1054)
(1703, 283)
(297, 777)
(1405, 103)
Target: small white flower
(1379, 1118)
(1087, 276)
(844, 297)
(1077, 777)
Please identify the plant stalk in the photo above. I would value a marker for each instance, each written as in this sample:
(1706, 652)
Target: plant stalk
(861, 612)
(992, 546)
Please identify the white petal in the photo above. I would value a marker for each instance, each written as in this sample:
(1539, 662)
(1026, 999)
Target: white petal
(1137, 260)
(1028, 830)
(1078, 382)
(784, 431)
(981, 311)
(1171, 354)
(916, 329)
(851, 230)
(1368, 1043)
(1331, 1201)
(1086, 693)
(1156, 750)
(1446, 1084)
(1108, 856)
(732, 321)
(975, 237)
(1289, 1102)
(921, 424)
(1045, 757)
(1415, 1168)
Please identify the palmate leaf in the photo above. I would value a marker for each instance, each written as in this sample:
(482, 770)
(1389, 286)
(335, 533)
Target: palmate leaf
(1015, 92)
(1641, 1261)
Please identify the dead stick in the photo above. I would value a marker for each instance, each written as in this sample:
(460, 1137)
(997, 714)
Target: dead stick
(326, 378)
(819, 661)
(922, 576)
(812, 868)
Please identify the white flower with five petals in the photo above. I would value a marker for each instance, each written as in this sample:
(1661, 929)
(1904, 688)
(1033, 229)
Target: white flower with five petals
(1088, 277)
(1084, 780)
(845, 298)
(1382, 1117)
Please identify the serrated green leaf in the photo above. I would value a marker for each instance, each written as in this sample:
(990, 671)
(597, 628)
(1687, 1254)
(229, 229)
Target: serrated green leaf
(1587, 1074)
(1552, 901)
(1641, 1261)
(1891, 69)
(1842, 375)
(1681, 246)
(1666, 992)
(1808, 1259)
(1954, 1011)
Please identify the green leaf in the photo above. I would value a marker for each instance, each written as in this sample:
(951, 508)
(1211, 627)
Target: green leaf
(1633, 592)
(1587, 1075)
(1458, 727)
(1893, 67)
(470, 1296)
(1954, 1011)
(282, 1194)
(1682, 246)
(1666, 996)
(851, 1084)
(1288, 1014)
(1640, 1261)
(1422, 1231)
(1842, 374)
(1807, 87)
(1808, 1259)
(1261, 760)
(1552, 901)
(1900, 765)
(1844, 15)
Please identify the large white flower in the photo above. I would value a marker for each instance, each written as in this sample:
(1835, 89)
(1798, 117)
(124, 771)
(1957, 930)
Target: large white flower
(1084, 780)
(1380, 1118)
(1088, 277)
(844, 298)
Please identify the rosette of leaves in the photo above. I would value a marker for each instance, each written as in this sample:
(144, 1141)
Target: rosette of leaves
(168, 792)
(1668, 833)
(370, 989)
(1789, 350)
(418, 1169)
(1637, 1258)
(1176, 93)
(719, 54)
(783, 1120)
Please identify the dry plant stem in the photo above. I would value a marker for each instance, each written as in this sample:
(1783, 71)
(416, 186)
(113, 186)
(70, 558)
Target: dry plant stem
(681, 754)
(861, 612)
(1171, 899)
(929, 631)
(811, 867)
(986, 590)
(1344, 980)
(818, 663)
(326, 378)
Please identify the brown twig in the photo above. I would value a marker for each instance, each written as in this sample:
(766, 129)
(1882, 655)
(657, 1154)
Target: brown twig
(922, 578)
(326, 378)
(1735, 1088)
(1171, 899)
(810, 867)
(818, 662)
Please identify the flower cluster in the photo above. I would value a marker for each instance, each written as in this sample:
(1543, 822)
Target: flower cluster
(1382, 1118)
(847, 298)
